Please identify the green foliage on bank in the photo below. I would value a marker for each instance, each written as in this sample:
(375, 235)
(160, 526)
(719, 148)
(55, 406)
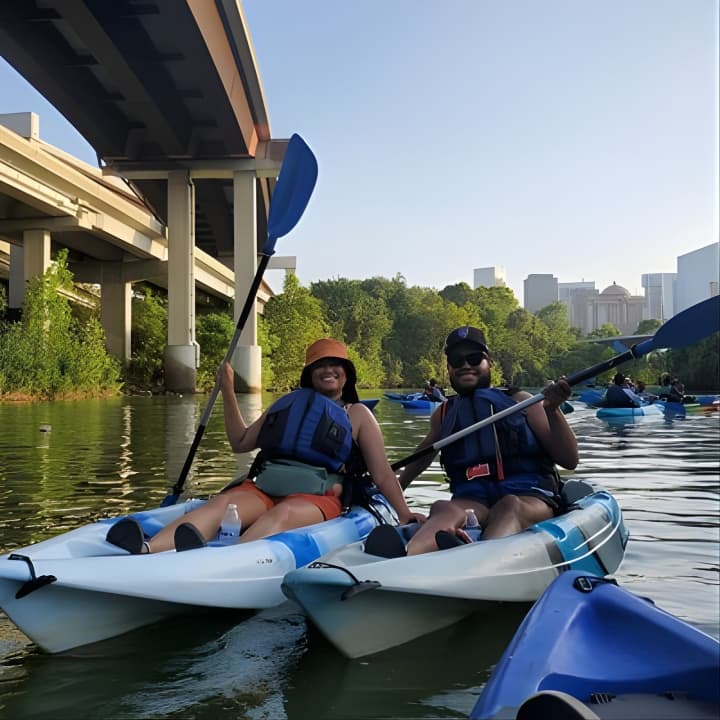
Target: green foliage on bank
(394, 333)
(50, 353)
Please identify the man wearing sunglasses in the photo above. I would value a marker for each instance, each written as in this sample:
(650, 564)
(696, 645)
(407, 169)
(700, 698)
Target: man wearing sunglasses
(506, 471)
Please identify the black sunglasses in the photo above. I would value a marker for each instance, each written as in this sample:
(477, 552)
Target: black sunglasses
(475, 358)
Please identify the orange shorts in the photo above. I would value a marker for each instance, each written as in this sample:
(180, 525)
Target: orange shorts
(328, 504)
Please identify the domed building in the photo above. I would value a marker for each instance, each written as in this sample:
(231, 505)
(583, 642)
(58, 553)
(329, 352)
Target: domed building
(615, 305)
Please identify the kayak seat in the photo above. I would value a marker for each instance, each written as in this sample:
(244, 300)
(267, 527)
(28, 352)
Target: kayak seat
(385, 541)
(554, 705)
(574, 490)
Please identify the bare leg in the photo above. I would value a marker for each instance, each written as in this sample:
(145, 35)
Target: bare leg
(446, 515)
(514, 513)
(207, 517)
(286, 515)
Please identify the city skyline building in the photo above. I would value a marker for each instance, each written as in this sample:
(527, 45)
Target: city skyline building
(614, 306)
(539, 291)
(698, 276)
(575, 295)
(659, 296)
(493, 276)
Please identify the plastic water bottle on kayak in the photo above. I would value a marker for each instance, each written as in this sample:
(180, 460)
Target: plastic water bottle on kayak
(230, 526)
(471, 520)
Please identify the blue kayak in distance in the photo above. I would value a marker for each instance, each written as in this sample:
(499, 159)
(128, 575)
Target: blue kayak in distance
(590, 649)
(399, 397)
(629, 412)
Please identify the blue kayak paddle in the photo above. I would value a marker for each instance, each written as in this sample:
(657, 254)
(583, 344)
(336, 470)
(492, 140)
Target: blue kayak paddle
(295, 184)
(685, 328)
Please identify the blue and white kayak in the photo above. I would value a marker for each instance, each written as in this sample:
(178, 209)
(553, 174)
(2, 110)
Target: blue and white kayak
(77, 588)
(629, 412)
(365, 604)
(593, 648)
(399, 397)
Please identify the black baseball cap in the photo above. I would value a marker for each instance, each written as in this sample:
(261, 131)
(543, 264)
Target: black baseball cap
(466, 334)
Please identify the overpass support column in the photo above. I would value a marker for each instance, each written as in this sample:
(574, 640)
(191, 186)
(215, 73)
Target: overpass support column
(182, 352)
(16, 280)
(116, 311)
(247, 358)
(27, 262)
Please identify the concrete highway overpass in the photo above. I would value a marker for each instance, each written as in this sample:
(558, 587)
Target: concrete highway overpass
(169, 95)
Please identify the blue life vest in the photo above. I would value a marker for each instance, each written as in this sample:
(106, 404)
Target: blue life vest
(305, 425)
(474, 457)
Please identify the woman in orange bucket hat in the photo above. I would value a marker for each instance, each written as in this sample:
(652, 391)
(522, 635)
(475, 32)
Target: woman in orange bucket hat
(309, 439)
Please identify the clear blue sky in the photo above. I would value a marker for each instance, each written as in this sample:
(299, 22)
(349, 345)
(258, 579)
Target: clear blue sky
(570, 137)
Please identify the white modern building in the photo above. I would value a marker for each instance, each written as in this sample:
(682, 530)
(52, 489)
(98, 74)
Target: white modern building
(489, 277)
(698, 276)
(659, 296)
(539, 291)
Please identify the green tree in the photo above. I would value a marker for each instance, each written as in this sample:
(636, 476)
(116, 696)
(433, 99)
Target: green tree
(606, 330)
(148, 336)
(647, 327)
(697, 365)
(49, 353)
(214, 332)
(295, 320)
(460, 294)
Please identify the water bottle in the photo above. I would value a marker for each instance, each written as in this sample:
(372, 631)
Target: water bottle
(230, 526)
(471, 520)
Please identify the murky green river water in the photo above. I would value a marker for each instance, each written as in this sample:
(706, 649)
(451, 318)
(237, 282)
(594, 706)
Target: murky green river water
(64, 464)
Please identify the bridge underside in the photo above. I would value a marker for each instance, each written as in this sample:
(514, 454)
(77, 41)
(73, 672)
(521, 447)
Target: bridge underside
(168, 94)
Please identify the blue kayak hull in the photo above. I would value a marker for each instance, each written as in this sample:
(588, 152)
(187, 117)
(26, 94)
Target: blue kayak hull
(419, 404)
(628, 412)
(586, 637)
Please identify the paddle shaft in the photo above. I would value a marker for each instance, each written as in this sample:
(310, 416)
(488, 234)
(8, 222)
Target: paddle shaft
(295, 183)
(685, 328)
(244, 315)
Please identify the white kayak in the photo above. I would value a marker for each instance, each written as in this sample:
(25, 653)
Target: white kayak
(77, 588)
(365, 604)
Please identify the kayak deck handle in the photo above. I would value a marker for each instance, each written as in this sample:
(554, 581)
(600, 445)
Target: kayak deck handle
(356, 588)
(35, 582)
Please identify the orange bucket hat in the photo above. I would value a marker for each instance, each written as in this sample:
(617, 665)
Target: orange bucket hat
(329, 348)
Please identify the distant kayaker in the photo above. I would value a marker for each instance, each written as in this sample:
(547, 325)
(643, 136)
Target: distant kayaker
(433, 392)
(504, 472)
(619, 395)
(309, 439)
(643, 394)
(676, 393)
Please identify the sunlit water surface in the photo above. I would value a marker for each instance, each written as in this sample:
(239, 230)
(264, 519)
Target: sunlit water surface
(65, 464)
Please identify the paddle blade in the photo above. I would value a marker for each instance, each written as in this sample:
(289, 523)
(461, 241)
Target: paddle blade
(294, 187)
(688, 326)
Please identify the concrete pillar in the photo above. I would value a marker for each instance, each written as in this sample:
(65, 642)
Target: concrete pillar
(182, 353)
(116, 311)
(16, 278)
(247, 358)
(27, 262)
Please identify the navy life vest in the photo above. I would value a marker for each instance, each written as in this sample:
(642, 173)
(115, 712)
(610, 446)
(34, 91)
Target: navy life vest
(475, 457)
(305, 425)
(617, 397)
